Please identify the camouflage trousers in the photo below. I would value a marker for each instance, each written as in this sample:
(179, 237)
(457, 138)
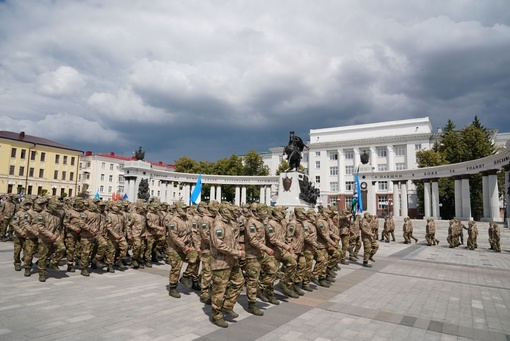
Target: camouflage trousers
(176, 261)
(344, 240)
(225, 290)
(334, 256)
(57, 251)
(43, 250)
(408, 236)
(72, 243)
(268, 272)
(300, 268)
(150, 242)
(370, 248)
(453, 241)
(252, 273)
(119, 246)
(206, 274)
(138, 248)
(471, 242)
(431, 239)
(19, 242)
(85, 249)
(354, 245)
(100, 247)
(3, 227)
(29, 249)
(321, 263)
(306, 271)
(290, 268)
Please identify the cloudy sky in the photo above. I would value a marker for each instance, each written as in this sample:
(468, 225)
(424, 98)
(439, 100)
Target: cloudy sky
(207, 79)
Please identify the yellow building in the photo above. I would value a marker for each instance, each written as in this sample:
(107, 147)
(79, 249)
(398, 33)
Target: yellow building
(37, 166)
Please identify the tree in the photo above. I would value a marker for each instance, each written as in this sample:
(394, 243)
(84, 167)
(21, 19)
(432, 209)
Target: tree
(186, 165)
(254, 165)
(143, 190)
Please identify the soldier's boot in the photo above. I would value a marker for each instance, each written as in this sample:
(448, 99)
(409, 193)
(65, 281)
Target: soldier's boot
(297, 289)
(372, 258)
(307, 287)
(97, 264)
(324, 283)
(186, 281)
(196, 286)
(120, 265)
(205, 300)
(28, 272)
(352, 258)
(286, 290)
(231, 313)
(42, 277)
(415, 240)
(271, 298)
(220, 323)
(330, 279)
(331, 272)
(344, 262)
(148, 264)
(85, 272)
(70, 268)
(262, 295)
(142, 265)
(17, 267)
(173, 292)
(366, 265)
(110, 268)
(55, 268)
(135, 264)
(253, 309)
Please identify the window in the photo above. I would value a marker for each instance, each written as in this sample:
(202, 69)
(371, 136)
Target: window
(348, 203)
(121, 178)
(400, 166)
(13, 152)
(55, 175)
(101, 189)
(103, 165)
(317, 164)
(33, 153)
(64, 174)
(349, 154)
(349, 185)
(317, 179)
(333, 156)
(333, 201)
(31, 172)
(400, 150)
(382, 167)
(333, 170)
(57, 158)
(64, 161)
(102, 177)
(23, 154)
(11, 170)
(110, 178)
(21, 171)
(71, 176)
(41, 173)
(72, 161)
(383, 185)
(317, 153)
(349, 170)
(43, 156)
(382, 152)
(382, 202)
(109, 189)
(333, 186)
(111, 166)
(417, 146)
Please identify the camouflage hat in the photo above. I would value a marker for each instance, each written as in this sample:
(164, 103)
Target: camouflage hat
(102, 203)
(27, 202)
(299, 210)
(41, 201)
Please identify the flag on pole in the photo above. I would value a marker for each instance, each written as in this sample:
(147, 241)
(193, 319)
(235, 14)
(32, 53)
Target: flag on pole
(357, 201)
(97, 195)
(196, 196)
(125, 196)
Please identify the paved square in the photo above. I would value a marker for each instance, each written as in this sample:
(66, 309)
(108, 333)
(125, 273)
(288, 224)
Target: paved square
(413, 292)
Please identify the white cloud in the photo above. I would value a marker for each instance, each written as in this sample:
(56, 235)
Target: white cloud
(63, 81)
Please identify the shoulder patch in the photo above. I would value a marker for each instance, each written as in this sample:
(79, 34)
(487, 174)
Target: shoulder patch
(194, 224)
(204, 226)
(172, 227)
(219, 233)
(40, 218)
(321, 225)
(271, 229)
(252, 228)
(291, 228)
(83, 216)
(15, 217)
(306, 228)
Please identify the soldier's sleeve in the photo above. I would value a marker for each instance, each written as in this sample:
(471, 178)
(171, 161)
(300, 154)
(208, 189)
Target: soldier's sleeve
(172, 234)
(251, 232)
(41, 226)
(217, 241)
(271, 235)
(308, 237)
(15, 223)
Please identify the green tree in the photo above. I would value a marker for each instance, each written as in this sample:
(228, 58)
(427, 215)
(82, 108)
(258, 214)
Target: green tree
(186, 165)
(284, 165)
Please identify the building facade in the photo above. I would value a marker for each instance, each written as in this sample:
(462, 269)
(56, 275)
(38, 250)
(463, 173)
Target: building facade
(33, 165)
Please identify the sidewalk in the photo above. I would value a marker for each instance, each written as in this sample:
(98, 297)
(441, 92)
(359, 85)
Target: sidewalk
(413, 292)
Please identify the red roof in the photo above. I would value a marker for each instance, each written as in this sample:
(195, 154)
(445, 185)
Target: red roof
(129, 158)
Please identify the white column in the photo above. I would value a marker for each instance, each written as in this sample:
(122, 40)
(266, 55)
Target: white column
(356, 160)
(371, 197)
(458, 197)
(493, 195)
(341, 171)
(426, 198)
(268, 195)
(218, 193)
(396, 200)
(466, 198)
(485, 195)
(134, 195)
(391, 158)
(186, 194)
(373, 157)
(403, 189)
(238, 196)
(243, 195)
(262, 193)
(435, 199)
(212, 193)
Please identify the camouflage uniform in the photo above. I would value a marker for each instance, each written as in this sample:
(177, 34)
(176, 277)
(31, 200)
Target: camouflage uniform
(87, 235)
(205, 225)
(58, 247)
(354, 239)
(46, 236)
(295, 236)
(74, 221)
(7, 210)
(135, 232)
(116, 237)
(227, 279)
(328, 235)
(344, 231)
(370, 244)
(495, 237)
(430, 232)
(313, 251)
(19, 223)
(388, 229)
(454, 233)
(472, 235)
(408, 231)
(154, 234)
(269, 265)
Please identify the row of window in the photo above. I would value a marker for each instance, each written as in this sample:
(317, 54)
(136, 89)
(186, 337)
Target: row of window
(349, 170)
(381, 152)
(349, 186)
(33, 155)
(31, 173)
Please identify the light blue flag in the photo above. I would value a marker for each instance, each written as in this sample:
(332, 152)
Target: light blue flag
(125, 196)
(357, 195)
(196, 196)
(97, 195)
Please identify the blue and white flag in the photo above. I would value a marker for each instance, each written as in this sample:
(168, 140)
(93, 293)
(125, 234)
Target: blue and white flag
(124, 197)
(357, 201)
(196, 196)
(97, 195)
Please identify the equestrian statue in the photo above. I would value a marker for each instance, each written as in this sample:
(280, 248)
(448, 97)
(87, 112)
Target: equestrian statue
(293, 151)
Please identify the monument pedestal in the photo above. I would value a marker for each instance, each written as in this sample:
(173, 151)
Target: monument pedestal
(289, 190)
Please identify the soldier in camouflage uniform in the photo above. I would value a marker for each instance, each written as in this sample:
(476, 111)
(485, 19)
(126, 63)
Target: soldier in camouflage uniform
(208, 213)
(180, 250)
(329, 236)
(194, 217)
(58, 247)
(370, 245)
(135, 232)
(116, 238)
(430, 232)
(256, 250)
(74, 221)
(47, 236)
(354, 239)
(101, 245)
(19, 223)
(345, 231)
(408, 231)
(227, 280)
(494, 237)
(454, 233)
(313, 251)
(155, 232)
(7, 210)
(472, 235)
(88, 232)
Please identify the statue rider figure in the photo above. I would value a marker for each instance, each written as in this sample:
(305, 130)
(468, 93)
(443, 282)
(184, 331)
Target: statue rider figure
(293, 151)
